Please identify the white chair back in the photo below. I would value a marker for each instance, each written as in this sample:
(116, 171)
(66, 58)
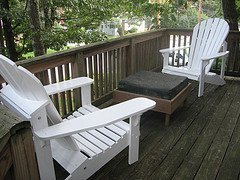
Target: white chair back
(26, 85)
(207, 39)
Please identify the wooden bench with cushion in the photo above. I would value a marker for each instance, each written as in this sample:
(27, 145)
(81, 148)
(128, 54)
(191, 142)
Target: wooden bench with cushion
(169, 91)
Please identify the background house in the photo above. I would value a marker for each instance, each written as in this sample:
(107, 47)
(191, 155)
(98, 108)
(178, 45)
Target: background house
(113, 28)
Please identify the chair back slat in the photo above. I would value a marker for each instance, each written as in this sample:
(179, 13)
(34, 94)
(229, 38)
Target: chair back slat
(207, 39)
(195, 44)
(209, 31)
(10, 74)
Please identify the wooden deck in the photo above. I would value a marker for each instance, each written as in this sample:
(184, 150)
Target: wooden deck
(202, 141)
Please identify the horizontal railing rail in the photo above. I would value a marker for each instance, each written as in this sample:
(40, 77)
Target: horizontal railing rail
(109, 61)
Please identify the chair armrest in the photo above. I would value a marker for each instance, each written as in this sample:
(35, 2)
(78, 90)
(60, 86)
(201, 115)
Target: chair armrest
(169, 50)
(220, 54)
(67, 85)
(97, 119)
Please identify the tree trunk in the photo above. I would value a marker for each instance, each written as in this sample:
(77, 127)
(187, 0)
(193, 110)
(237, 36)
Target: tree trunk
(8, 32)
(46, 6)
(2, 47)
(230, 13)
(34, 15)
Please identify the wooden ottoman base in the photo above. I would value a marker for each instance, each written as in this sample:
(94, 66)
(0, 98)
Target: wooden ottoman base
(162, 105)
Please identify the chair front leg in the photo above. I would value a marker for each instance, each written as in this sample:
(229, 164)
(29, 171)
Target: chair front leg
(44, 158)
(134, 139)
(224, 58)
(223, 67)
(43, 148)
(202, 78)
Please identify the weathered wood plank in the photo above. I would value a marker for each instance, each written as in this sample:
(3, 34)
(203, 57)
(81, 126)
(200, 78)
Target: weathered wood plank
(173, 53)
(213, 159)
(165, 151)
(23, 155)
(145, 147)
(19, 155)
(159, 151)
(132, 57)
(123, 63)
(114, 63)
(118, 64)
(5, 160)
(62, 103)
(16, 147)
(77, 71)
(43, 76)
(6, 123)
(152, 130)
(147, 128)
(27, 142)
(68, 93)
(110, 67)
(96, 78)
(106, 75)
(179, 44)
(192, 162)
(185, 141)
(55, 96)
(230, 166)
(90, 73)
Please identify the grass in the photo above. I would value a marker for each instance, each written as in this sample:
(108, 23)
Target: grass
(49, 51)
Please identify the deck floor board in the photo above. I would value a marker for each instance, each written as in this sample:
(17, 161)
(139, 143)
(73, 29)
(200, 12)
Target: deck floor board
(194, 158)
(201, 142)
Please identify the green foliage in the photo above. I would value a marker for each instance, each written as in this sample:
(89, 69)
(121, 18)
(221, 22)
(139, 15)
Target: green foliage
(238, 7)
(20, 24)
(77, 21)
(133, 30)
(187, 18)
(212, 8)
(182, 14)
(80, 20)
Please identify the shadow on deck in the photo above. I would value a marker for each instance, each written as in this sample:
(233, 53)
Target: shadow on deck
(202, 141)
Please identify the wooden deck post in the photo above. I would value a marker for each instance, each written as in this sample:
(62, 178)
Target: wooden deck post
(78, 70)
(131, 58)
(17, 155)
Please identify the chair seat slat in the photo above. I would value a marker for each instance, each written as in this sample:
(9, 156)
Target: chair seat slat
(102, 137)
(95, 141)
(109, 134)
(87, 143)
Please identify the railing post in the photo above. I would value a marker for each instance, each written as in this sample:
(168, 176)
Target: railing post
(163, 43)
(16, 148)
(78, 70)
(131, 60)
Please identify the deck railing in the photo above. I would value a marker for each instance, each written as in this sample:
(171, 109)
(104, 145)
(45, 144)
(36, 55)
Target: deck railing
(109, 61)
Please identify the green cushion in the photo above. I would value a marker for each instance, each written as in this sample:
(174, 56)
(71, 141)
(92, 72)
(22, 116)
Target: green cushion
(153, 84)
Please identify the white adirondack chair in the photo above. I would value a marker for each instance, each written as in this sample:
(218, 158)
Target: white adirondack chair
(84, 142)
(207, 40)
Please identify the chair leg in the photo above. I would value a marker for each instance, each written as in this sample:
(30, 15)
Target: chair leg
(200, 88)
(134, 139)
(202, 78)
(223, 60)
(44, 158)
(167, 119)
